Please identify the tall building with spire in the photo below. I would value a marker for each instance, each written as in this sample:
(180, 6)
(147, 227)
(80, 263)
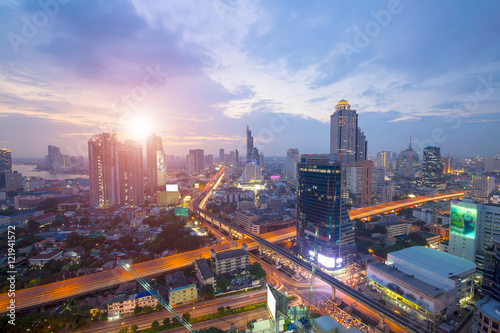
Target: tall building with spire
(155, 164)
(250, 148)
(347, 142)
(407, 162)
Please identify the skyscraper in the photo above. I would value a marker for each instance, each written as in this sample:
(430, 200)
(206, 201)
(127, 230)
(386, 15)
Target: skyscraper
(236, 158)
(432, 166)
(347, 142)
(384, 159)
(407, 162)
(292, 159)
(320, 207)
(104, 181)
(5, 160)
(250, 151)
(131, 173)
(116, 172)
(54, 157)
(447, 164)
(199, 159)
(190, 168)
(221, 156)
(359, 181)
(155, 164)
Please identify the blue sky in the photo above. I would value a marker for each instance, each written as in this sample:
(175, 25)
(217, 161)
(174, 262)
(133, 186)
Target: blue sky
(198, 72)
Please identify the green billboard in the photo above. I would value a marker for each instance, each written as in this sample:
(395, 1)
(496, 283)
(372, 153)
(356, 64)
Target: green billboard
(463, 221)
(181, 211)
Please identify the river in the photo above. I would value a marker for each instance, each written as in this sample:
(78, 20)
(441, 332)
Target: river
(30, 171)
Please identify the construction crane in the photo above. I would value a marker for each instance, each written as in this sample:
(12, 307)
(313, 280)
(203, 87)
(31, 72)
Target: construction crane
(160, 299)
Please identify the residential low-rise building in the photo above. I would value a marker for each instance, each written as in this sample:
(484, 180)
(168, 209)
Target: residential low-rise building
(121, 306)
(44, 257)
(230, 261)
(426, 215)
(204, 273)
(45, 219)
(180, 292)
(146, 298)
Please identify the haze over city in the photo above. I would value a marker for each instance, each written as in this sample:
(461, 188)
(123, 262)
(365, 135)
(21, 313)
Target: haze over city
(197, 73)
(226, 166)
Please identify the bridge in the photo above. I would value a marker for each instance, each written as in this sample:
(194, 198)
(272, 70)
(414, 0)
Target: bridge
(197, 207)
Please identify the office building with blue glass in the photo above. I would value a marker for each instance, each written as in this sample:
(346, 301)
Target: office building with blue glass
(320, 206)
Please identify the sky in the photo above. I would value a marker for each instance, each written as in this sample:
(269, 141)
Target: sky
(198, 72)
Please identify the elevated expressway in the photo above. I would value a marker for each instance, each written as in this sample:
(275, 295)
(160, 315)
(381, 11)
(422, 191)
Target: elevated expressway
(401, 322)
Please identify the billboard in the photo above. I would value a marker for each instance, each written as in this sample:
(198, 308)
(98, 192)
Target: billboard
(463, 221)
(181, 211)
(161, 168)
(276, 302)
(172, 188)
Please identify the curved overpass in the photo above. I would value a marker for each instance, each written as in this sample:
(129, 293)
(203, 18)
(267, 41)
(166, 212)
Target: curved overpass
(383, 311)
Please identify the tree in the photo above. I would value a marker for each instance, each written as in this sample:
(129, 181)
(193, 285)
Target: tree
(147, 309)
(220, 310)
(166, 322)
(11, 193)
(222, 284)
(155, 325)
(49, 205)
(33, 226)
(228, 308)
(159, 307)
(134, 328)
(211, 330)
(186, 316)
(257, 271)
(208, 290)
(137, 310)
(415, 239)
(379, 229)
(84, 221)
(124, 329)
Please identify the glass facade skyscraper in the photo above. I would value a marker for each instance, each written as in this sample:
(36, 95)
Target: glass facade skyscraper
(432, 166)
(320, 206)
(5, 160)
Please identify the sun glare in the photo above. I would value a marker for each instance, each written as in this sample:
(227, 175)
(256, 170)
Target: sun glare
(141, 127)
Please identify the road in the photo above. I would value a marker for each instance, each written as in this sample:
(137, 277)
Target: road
(200, 309)
(387, 207)
(50, 293)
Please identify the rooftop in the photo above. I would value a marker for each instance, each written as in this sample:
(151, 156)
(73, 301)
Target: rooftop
(406, 279)
(146, 293)
(442, 263)
(47, 255)
(230, 254)
(175, 280)
(205, 270)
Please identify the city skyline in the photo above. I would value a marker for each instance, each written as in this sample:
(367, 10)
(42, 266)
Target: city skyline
(262, 65)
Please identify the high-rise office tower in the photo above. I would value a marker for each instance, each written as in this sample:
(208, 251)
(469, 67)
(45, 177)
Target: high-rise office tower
(482, 186)
(116, 172)
(320, 207)
(190, 165)
(250, 150)
(130, 173)
(359, 181)
(407, 162)
(221, 156)
(347, 142)
(292, 159)
(260, 160)
(5, 160)
(199, 159)
(231, 157)
(384, 159)
(54, 158)
(487, 315)
(447, 164)
(103, 179)
(236, 158)
(432, 166)
(155, 164)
